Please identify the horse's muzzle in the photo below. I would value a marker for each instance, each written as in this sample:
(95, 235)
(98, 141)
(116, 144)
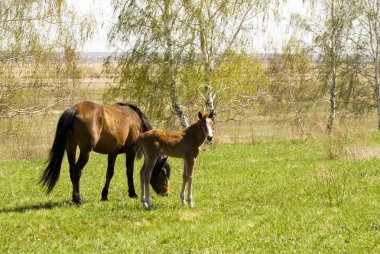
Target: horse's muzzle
(166, 194)
(209, 138)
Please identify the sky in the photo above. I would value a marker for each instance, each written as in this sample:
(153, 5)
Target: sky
(276, 33)
(102, 11)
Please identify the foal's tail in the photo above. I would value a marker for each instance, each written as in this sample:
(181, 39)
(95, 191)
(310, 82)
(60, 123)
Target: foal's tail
(50, 175)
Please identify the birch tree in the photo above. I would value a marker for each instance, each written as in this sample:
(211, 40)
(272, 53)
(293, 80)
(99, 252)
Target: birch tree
(153, 36)
(38, 42)
(173, 47)
(329, 27)
(367, 40)
(223, 26)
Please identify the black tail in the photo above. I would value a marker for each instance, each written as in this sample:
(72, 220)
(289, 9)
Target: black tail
(51, 173)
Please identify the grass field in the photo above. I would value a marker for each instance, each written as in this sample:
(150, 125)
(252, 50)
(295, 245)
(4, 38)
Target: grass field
(262, 197)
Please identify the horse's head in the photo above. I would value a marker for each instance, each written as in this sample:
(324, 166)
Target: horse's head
(160, 177)
(207, 122)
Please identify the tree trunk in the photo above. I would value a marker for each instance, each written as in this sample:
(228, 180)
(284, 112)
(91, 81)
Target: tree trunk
(171, 78)
(376, 64)
(173, 89)
(331, 118)
(377, 88)
(208, 95)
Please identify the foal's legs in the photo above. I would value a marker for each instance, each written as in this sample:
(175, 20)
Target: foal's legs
(182, 194)
(130, 161)
(142, 185)
(77, 172)
(145, 174)
(188, 178)
(110, 171)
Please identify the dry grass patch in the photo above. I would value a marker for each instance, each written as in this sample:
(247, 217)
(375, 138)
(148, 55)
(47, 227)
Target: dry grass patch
(190, 215)
(363, 152)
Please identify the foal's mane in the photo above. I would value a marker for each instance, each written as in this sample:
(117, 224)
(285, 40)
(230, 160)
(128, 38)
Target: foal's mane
(146, 124)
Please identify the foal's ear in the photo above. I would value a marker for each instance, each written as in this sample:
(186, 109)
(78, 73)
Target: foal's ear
(211, 115)
(200, 115)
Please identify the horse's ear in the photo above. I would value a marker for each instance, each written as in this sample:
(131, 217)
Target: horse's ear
(159, 163)
(211, 115)
(167, 169)
(200, 115)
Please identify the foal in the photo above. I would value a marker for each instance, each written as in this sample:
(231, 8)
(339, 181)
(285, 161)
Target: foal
(180, 144)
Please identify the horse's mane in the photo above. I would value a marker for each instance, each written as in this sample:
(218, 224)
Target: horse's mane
(146, 124)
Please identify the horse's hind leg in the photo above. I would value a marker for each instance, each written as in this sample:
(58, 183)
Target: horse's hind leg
(130, 160)
(71, 149)
(110, 171)
(182, 194)
(142, 183)
(82, 161)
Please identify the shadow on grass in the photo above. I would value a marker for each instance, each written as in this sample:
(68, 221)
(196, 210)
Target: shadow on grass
(25, 208)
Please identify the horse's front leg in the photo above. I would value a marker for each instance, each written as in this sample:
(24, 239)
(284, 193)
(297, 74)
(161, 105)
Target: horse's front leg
(188, 178)
(145, 174)
(110, 172)
(130, 161)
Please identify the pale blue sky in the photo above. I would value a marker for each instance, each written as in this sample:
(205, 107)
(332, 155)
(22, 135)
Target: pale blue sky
(102, 11)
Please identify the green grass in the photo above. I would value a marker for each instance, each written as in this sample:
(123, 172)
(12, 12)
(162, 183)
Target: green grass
(265, 197)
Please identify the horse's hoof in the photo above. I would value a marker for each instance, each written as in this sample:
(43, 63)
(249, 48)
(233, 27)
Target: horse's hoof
(104, 199)
(132, 195)
(182, 198)
(147, 205)
(190, 202)
(78, 202)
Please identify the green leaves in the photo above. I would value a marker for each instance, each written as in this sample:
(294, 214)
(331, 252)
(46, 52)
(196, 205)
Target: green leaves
(187, 46)
(38, 59)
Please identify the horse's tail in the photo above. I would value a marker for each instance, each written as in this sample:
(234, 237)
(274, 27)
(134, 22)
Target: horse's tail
(51, 173)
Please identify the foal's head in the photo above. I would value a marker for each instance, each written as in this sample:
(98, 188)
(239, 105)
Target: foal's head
(207, 122)
(160, 177)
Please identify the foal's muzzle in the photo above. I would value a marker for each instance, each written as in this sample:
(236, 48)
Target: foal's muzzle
(209, 138)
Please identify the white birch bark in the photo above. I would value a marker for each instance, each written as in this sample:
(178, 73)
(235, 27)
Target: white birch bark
(208, 94)
(331, 117)
(171, 76)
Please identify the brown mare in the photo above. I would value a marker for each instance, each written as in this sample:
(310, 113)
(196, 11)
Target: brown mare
(180, 144)
(106, 129)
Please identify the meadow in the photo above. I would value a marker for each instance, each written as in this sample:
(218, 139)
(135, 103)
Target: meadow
(272, 181)
(290, 196)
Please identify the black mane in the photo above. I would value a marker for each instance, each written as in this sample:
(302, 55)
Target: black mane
(146, 124)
